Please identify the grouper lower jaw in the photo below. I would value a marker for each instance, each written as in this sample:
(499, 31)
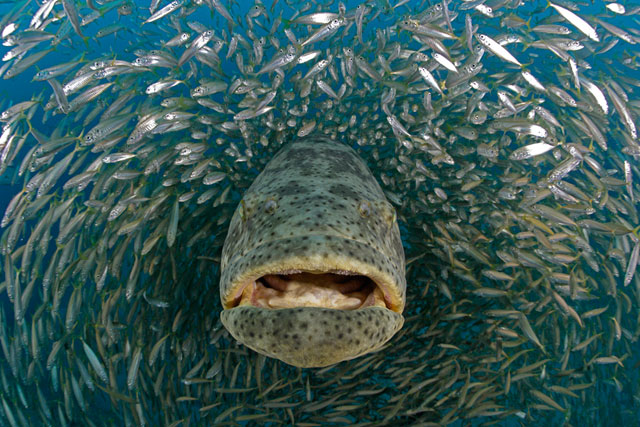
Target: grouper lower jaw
(312, 337)
(312, 269)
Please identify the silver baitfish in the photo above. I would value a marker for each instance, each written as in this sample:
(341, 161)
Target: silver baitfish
(313, 270)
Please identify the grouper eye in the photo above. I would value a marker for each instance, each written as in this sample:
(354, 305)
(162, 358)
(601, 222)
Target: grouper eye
(312, 269)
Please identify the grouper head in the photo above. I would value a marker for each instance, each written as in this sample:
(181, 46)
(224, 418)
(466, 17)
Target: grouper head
(312, 269)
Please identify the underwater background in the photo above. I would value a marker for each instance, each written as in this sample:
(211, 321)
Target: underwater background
(514, 177)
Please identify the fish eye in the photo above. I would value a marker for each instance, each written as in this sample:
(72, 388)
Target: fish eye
(364, 208)
(270, 206)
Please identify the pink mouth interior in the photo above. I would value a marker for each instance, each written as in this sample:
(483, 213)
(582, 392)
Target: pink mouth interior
(343, 291)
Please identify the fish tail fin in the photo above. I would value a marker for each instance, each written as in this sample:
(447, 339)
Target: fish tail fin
(31, 129)
(287, 23)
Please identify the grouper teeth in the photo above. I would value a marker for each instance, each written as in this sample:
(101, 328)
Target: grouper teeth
(315, 214)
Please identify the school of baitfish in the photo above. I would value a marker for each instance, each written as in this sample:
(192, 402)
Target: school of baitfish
(503, 132)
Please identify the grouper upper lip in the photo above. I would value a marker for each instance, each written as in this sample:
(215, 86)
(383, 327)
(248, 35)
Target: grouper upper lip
(334, 260)
(337, 256)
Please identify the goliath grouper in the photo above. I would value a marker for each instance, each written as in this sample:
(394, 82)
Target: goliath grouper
(313, 269)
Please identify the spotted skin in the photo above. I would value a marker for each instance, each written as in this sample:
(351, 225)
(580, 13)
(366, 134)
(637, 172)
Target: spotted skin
(317, 208)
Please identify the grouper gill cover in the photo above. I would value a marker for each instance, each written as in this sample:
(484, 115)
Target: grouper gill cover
(315, 212)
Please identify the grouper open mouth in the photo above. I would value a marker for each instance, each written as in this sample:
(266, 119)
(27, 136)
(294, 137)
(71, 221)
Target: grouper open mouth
(312, 269)
(343, 290)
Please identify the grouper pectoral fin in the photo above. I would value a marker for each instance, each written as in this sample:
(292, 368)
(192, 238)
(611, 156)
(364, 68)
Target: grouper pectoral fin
(313, 270)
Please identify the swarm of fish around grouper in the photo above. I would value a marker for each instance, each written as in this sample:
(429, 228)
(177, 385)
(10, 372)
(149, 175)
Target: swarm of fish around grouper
(503, 134)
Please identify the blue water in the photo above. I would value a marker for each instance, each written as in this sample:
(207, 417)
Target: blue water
(614, 406)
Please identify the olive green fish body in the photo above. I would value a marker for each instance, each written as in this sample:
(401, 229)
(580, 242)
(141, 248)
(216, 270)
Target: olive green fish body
(312, 269)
